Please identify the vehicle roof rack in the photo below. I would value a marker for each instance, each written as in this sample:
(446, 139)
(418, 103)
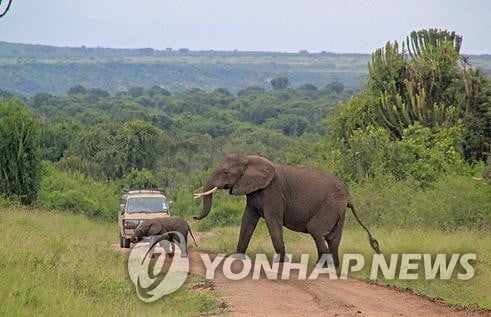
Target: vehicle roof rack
(139, 190)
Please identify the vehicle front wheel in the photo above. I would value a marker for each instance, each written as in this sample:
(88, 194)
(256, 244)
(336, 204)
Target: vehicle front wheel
(124, 243)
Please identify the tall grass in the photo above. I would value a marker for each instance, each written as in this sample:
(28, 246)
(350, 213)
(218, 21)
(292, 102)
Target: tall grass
(450, 203)
(59, 264)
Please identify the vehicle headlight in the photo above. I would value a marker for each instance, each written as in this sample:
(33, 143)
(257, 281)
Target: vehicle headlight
(131, 223)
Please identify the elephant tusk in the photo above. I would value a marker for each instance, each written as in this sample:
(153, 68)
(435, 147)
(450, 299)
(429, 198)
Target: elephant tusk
(211, 191)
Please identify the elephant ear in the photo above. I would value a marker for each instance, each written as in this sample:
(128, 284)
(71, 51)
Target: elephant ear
(258, 173)
(155, 228)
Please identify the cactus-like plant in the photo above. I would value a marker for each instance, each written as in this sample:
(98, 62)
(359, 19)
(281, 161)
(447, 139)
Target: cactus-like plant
(423, 81)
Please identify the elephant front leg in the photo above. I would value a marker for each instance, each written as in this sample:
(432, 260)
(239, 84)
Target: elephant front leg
(275, 228)
(249, 222)
(152, 241)
(168, 247)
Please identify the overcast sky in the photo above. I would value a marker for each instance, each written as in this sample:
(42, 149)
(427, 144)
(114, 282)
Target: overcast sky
(261, 25)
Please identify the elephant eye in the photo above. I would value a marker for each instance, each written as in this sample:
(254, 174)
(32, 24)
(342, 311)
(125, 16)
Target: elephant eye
(225, 172)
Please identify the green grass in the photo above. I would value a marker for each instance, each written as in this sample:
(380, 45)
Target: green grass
(475, 292)
(63, 264)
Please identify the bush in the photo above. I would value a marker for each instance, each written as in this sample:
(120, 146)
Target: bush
(423, 154)
(78, 194)
(140, 179)
(225, 212)
(367, 153)
(426, 153)
(73, 200)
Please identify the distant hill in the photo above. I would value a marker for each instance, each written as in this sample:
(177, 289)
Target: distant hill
(27, 69)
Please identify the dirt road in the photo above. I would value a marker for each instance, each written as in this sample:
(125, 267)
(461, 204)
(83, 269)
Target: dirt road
(320, 297)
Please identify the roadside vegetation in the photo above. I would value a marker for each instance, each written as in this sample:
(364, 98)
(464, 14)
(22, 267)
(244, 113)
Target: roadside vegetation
(413, 146)
(64, 264)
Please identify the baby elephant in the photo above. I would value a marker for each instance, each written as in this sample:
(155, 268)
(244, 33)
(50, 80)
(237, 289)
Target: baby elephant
(167, 229)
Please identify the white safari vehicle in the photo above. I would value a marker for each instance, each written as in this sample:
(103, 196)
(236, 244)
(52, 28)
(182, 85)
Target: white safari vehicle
(136, 206)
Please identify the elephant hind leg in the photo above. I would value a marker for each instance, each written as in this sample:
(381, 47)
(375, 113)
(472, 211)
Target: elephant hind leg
(320, 244)
(323, 227)
(333, 239)
(183, 245)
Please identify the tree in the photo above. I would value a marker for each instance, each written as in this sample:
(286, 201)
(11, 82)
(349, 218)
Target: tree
(78, 89)
(335, 87)
(308, 87)
(425, 82)
(5, 94)
(136, 91)
(223, 91)
(143, 144)
(280, 83)
(431, 85)
(289, 124)
(140, 179)
(251, 90)
(99, 92)
(19, 151)
(424, 110)
(55, 139)
(157, 90)
(39, 99)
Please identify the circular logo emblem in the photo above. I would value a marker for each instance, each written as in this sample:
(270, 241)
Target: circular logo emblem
(158, 268)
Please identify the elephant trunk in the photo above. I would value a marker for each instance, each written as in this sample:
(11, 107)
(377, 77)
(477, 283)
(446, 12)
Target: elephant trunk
(207, 200)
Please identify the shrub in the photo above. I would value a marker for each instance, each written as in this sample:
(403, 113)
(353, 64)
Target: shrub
(19, 151)
(426, 153)
(76, 193)
(140, 179)
(225, 212)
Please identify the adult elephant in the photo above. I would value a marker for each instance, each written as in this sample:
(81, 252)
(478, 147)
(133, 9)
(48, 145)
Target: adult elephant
(303, 199)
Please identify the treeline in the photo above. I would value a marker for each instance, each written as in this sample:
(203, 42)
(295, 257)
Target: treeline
(143, 137)
(106, 136)
(28, 77)
(30, 69)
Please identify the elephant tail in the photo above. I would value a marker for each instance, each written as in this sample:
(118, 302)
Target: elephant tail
(192, 236)
(373, 242)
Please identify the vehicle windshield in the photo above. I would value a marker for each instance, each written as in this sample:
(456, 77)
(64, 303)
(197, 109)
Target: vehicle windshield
(147, 204)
